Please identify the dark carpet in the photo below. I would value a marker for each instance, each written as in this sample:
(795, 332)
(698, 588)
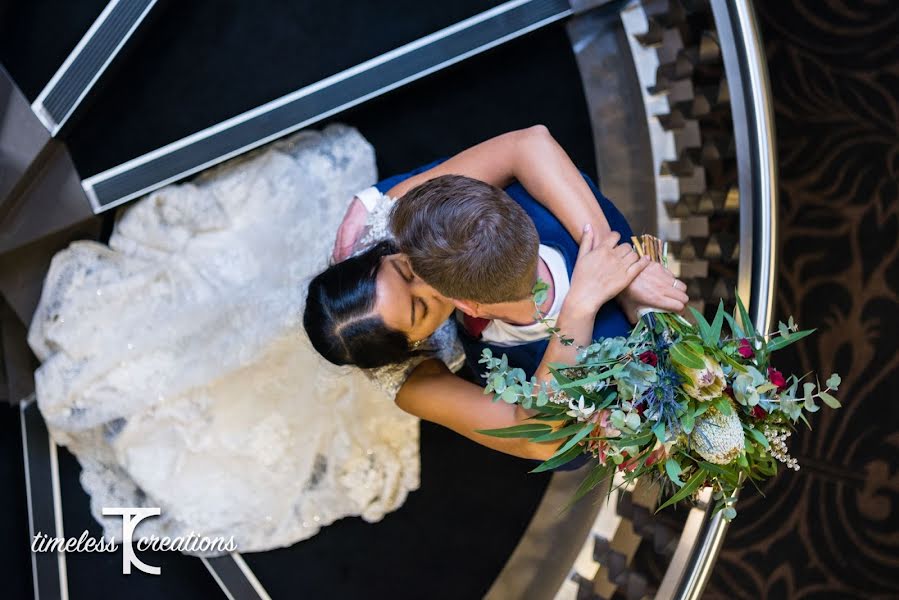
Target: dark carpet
(832, 530)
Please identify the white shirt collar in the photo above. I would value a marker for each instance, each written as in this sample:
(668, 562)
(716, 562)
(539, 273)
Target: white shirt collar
(500, 333)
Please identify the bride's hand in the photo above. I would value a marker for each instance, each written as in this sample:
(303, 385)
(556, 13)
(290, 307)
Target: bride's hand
(350, 230)
(603, 269)
(654, 288)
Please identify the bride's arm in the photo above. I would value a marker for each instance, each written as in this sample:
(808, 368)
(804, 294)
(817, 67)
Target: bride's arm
(435, 394)
(534, 158)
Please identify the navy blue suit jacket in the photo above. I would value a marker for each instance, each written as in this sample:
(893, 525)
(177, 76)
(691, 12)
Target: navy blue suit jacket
(610, 320)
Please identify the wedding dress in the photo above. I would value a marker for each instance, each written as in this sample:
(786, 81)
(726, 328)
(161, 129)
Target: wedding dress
(176, 369)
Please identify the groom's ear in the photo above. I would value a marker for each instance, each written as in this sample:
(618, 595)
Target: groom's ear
(469, 307)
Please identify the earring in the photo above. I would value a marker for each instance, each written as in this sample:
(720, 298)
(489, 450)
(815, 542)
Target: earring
(416, 344)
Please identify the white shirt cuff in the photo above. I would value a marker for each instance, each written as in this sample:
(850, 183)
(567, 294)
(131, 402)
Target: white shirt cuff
(370, 198)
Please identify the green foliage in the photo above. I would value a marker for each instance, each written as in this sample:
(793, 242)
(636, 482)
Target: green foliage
(557, 461)
(518, 431)
(597, 475)
(673, 469)
(610, 403)
(683, 355)
(688, 489)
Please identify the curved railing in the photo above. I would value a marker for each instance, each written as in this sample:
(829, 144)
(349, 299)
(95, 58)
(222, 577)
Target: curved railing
(753, 121)
(698, 69)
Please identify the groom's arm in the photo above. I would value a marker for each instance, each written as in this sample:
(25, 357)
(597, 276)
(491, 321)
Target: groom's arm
(533, 157)
(435, 394)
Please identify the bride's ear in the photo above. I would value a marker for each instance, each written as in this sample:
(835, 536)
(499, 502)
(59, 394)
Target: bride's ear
(470, 308)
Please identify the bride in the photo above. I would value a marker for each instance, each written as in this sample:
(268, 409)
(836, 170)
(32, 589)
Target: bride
(175, 366)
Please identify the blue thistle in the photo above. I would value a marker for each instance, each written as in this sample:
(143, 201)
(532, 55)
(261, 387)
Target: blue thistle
(661, 399)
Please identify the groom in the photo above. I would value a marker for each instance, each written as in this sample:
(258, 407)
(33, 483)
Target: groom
(484, 248)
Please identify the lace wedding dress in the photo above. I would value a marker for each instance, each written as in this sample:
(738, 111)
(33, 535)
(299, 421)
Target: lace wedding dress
(176, 369)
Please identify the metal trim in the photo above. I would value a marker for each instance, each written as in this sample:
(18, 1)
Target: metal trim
(234, 576)
(91, 37)
(553, 10)
(34, 436)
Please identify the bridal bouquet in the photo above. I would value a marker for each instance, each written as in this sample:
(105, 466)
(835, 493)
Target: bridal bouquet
(690, 405)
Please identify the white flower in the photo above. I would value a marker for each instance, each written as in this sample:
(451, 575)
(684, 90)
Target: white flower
(708, 382)
(579, 411)
(717, 437)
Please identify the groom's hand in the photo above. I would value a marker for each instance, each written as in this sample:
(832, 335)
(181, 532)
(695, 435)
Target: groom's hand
(350, 230)
(654, 288)
(603, 269)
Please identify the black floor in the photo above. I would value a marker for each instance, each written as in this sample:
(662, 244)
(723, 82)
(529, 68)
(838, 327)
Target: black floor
(832, 530)
(200, 62)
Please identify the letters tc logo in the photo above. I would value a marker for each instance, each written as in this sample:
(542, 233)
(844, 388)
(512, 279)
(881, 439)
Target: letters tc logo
(130, 518)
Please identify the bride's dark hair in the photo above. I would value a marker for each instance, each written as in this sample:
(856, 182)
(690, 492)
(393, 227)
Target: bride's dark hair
(340, 318)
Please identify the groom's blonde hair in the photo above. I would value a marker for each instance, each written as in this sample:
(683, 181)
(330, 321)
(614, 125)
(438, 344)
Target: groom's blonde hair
(467, 239)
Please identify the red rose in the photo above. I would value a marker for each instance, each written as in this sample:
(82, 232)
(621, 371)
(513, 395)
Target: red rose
(745, 349)
(640, 407)
(777, 378)
(649, 357)
(758, 412)
(729, 392)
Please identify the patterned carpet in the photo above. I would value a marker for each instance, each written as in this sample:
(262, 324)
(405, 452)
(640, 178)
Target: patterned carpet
(832, 530)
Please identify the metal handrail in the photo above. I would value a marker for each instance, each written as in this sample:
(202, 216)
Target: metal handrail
(753, 122)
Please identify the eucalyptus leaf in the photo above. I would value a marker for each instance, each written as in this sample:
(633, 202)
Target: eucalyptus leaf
(808, 388)
(829, 400)
(542, 398)
(632, 420)
(782, 329)
(510, 395)
(810, 406)
(833, 381)
(673, 469)
(659, 431)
